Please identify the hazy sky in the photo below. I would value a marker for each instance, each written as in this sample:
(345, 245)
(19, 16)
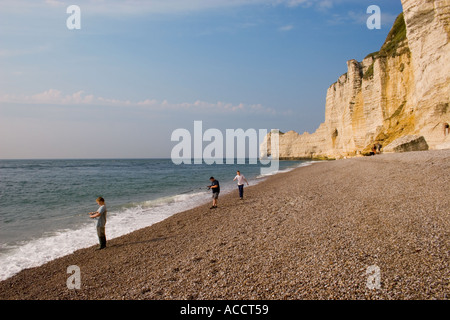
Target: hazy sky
(137, 70)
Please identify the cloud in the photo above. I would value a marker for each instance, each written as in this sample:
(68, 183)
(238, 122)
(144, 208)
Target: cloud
(126, 7)
(360, 17)
(80, 98)
(319, 4)
(325, 4)
(54, 3)
(296, 3)
(286, 28)
(7, 53)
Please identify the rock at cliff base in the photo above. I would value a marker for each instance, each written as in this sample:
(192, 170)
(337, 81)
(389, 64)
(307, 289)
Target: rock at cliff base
(407, 143)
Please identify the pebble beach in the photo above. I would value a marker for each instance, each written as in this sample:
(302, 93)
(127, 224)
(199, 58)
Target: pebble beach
(311, 233)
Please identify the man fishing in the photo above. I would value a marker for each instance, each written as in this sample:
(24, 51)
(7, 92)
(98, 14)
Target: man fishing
(215, 187)
(100, 215)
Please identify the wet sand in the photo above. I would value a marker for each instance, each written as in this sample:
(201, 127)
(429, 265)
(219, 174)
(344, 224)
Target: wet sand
(311, 233)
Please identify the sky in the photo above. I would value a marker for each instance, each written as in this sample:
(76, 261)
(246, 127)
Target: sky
(138, 70)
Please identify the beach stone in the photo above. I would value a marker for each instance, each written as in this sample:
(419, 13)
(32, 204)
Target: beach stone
(310, 233)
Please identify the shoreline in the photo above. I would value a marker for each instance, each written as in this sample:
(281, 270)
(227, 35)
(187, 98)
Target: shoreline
(23, 257)
(309, 233)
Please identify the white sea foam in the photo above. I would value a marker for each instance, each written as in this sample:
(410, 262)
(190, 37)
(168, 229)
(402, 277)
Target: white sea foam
(63, 242)
(303, 164)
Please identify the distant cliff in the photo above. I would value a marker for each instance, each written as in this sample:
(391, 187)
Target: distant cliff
(400, 90)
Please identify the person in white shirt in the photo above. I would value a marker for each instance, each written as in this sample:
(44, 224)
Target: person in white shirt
(240, 180)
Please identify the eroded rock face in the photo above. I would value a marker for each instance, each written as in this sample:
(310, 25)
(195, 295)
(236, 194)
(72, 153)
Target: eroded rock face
(407, 143)
(428, 32)
(402, 89)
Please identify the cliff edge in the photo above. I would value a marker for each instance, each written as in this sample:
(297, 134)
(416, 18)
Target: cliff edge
(403, 89)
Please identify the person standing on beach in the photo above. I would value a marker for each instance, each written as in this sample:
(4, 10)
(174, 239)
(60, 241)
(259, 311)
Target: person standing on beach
(215, 187)
(101, 221)
(240, 180)
(379, 146)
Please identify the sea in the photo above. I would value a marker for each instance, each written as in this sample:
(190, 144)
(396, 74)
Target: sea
(44, 204)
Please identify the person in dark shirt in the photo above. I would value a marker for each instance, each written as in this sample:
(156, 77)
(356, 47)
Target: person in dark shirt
(215, 187)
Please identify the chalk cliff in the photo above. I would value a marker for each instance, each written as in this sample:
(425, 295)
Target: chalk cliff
(403, 89)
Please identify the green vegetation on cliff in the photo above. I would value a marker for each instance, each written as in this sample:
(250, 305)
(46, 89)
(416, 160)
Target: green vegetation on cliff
(393, 46)
(369, 73)
(395, 38)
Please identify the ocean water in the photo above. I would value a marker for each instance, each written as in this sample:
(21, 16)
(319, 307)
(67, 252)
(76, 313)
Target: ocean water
(44, 204)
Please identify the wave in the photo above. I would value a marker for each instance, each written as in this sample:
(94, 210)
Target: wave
(303, 164)
(33, 253)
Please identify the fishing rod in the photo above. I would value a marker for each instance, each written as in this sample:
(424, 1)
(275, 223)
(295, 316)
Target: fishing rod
(84, 214)
(201, 188)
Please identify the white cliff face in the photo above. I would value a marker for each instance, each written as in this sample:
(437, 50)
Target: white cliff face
(401, 90)
(428, 32)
